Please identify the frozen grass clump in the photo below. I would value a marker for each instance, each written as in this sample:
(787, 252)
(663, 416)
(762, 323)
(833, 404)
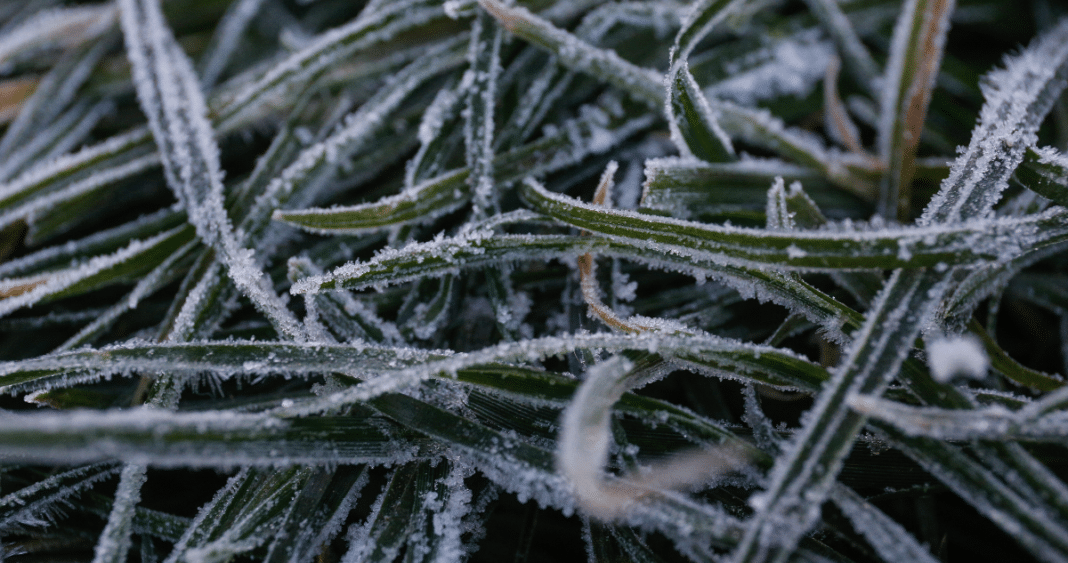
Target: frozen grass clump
(542, 280)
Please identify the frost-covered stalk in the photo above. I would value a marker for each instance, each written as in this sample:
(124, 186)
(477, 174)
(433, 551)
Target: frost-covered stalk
(171, 98)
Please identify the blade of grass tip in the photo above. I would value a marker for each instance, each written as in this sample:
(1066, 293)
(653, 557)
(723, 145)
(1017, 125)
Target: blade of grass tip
(171, 98)
(225, 39)
(315, 163)
(692, 121)
(211, 439)
(1018, 98)
(598, 128)
(915, 58)
(859, 62)
(574, 53)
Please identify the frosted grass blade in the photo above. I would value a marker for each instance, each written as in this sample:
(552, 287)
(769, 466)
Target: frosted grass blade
(596, 130)
(576, 54)
(1018, 97)
(304, 177)
(1031, 526)
(128, 263)
(890, 540)
(115, 541)
(812, 460)
(171, 98)
(484, 58)
(704, 354)
(225, 40)
(252, 501)
(688, 189)
(37, 504)
(223, 358)
(698, 22)
(318, 512)
(217, 439)
(102, 242)
(897, 247)
(163, 274)
(61, 27)
(990, 423)
(693, 124)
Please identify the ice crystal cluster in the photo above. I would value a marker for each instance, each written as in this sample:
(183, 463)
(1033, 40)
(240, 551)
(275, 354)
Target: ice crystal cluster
(533, 280)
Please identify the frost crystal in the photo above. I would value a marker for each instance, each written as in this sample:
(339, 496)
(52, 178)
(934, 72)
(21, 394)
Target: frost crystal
(957, 355)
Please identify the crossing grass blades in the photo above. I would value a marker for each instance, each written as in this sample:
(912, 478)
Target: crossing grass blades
(542, 280)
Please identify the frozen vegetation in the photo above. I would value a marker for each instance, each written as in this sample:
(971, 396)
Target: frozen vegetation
(533, 280)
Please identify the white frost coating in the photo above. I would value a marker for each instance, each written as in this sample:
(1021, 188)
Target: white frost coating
(177, 113)
(43, 203)
(448, 520)
(484, 58)
(957, 355)
(63, 28)
(1018, 97)
(890, 539)
(792, 66)
(38, 504)
(27, 291)
(724, 351)
(114, 542)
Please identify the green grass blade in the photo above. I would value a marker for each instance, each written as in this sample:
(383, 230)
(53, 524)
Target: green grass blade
(753, 248)
(426, 201)
(693, 123)
(217, 439)
(138, 258)
(1045, 170)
